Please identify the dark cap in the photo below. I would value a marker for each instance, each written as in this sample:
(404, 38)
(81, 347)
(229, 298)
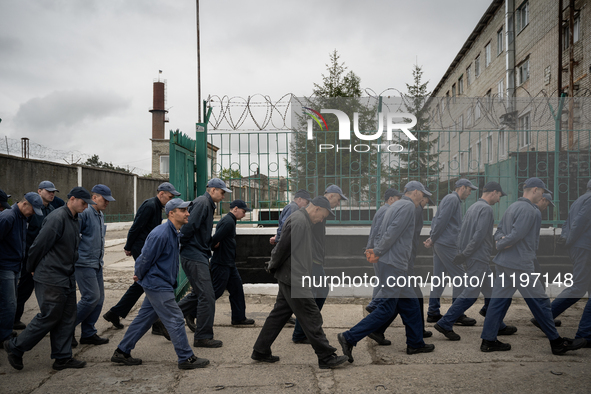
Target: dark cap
(104, 191)
(493, 186)
(303, 193)
(35, 200)
(416, 185)
(4, 199)
(391, 192)
(465, 182)
(335, 189)
(548, 196)
(240, 204)
(168, 187)
(217, 182)
(322, 202)
(535, 182)
(82, 193)
(47, 185)
(176, 203)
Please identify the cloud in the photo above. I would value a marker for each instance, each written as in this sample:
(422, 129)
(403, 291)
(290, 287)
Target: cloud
(66, 109)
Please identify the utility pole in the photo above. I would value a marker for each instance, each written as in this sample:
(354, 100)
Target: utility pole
(198, 66)
(571, 71)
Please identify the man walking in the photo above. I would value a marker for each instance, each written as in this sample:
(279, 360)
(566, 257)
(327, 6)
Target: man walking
(224, 274)
(445, 229)
(300, 200)
(156, 270)
(195, 253)
(517, 240)
(4, 200)
(148, 216)
(89, 267)
(52, 258)
(46, 190)
(291, 261)
(13, 231)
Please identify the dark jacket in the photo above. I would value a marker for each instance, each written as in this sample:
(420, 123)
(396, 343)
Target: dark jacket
(476, 238)
(288, 210)
(577, 228)
(157, 266)
(35, 223)
(318, 242)
(148, 216)
(225, 234)
(416, 238)
(196, 234)
(54, 253)
(92, 238)
(447, 222)
(375, 225)
(13, 234)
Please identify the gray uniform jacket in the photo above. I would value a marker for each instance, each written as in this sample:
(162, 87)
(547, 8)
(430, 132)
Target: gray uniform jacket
(92, 238)
(577, 228)
(196, 234)
(54, 253)
(393, 244)
(375, 225)
(476, 238)
(520, 227)
(447, 222)
(416, 238)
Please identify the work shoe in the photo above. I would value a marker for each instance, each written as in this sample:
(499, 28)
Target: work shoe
(124, 358)
(331, 361)
(346, 346)
(194, 362)
(557, 323)
(245, 322)
(19, 325)
(563, 345)
(380, 339)
(291, 321)
(15, 361)
(588, 344)
(369, 309)
(207, 343)
(428, 348)
(304, 341)
(114, 319)
(94, 340)
(465, 321)
(159, 329)
(266, 358)
(66, 363)
(433, 318)
(482, 312)
(508, 330)
(74, 342)
(427, 334)
(449, 334)
(190, 320)
(494, 346)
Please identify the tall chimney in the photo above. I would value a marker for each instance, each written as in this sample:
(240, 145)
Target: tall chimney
(158, 111)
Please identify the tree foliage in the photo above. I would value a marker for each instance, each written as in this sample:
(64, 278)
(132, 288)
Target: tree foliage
(94, 161)
(227, 173)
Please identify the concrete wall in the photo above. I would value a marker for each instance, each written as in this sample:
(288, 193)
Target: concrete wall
(19, 176)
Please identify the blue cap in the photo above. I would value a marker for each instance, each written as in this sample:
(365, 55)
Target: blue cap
(465, 182)
(391, 192)
(47, 185)
(35, 200)
(104, 191)
(168, 187)
(81, 193)
(535, 182)
(416, 185)
(217, 182)
(335, 189)
(323, 202)
(303, 193)
(548, 196)
(176, 203)
(4, 199)
(240, 204)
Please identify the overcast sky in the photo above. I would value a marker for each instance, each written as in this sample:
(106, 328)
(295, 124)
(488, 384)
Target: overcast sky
(78, 74)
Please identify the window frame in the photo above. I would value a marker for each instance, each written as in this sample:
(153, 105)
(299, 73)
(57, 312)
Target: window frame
(160, 167)
(487, 54)
(500, 40)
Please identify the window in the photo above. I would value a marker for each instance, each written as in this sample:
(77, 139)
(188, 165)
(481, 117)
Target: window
(164, 168)
(501, 89)
(469, 75)
(477, 111)
(523, 72)
(500, 42)
(470, 158)
(453, 92)
(488, 99)
(461, 85)
(502, 143)
(489, 149)
(462, 164)
(522, 16)
(461, 123)
(477, 66)
(487, 55)
(566, 32)
(478, 151)
(524, 131)
(469, 118)
(443, 137)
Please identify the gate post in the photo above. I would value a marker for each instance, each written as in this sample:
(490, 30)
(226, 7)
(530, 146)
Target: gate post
(201, 152)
